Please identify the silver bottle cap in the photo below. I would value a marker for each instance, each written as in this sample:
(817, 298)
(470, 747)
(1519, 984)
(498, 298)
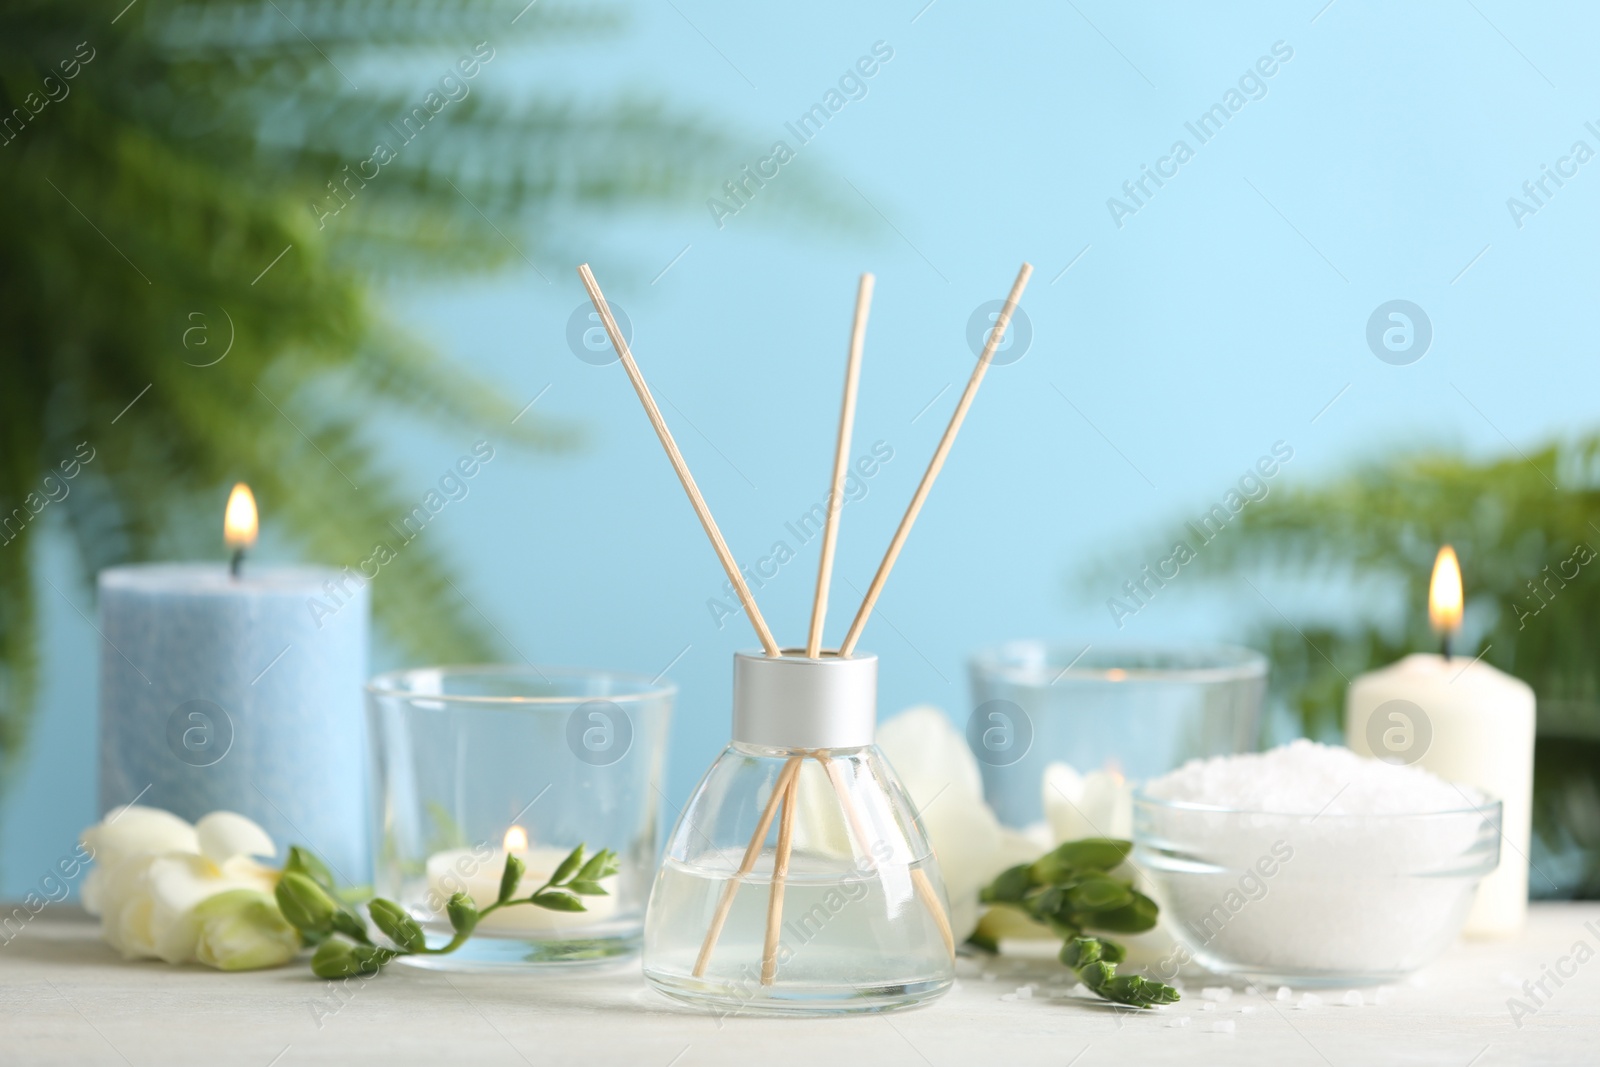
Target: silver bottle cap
(790, 701)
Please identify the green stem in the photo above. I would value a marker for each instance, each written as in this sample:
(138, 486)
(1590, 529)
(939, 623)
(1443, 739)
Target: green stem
(461, 938)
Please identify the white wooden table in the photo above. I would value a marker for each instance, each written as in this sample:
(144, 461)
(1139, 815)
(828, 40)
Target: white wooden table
(67, 999)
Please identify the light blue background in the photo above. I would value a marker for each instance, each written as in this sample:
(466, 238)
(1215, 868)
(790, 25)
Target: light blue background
(1224, 316)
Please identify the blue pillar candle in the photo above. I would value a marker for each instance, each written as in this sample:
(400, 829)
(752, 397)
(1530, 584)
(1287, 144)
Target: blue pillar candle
(239, 693)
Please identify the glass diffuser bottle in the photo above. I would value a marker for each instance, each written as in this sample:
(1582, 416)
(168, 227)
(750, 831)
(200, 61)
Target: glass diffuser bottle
(798, 878)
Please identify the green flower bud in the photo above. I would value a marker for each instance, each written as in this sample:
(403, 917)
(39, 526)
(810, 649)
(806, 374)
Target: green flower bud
(1099, 892)
(396, 925)
(341, 959)
(350, 926)
(510, 878)
(558, 901)
(463, 913)
(305, 904)
(1091, 855)
(568, 867)
(1009, 888)
(1080, 952)
(303, 861)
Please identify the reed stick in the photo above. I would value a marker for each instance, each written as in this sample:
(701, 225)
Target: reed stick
(768, 643)
(919, 877)
(930, 899)
(780, 872)
(841, 464)
(791, 768)
(936, 463)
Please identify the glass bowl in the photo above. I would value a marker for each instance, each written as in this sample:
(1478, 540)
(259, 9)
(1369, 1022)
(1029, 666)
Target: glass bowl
(1312, 900)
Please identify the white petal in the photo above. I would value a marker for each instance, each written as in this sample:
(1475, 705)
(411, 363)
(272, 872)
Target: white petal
(134, 938)
(89, 891)
(1097, 804)
(1063, 803)
(930, 756)
(225, 834)
(819, 824)
(940, 774)
(178, 884)
(135, 831)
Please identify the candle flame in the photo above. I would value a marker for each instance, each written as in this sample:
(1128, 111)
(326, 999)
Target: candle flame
(1444, 592)
(1116, 674)
(239, 522)
(516, 840)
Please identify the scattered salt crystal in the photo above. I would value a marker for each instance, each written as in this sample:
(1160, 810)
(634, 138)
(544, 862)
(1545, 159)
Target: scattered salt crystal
(1309, 1000)
(1182, 1020)
(1285, 993)
(1208, 1005)
(1307, 778)
(1026, 992)
(1246, 1009)
(1220, 994)
(1226, 1026)
(1008, 997)
(1352, 999)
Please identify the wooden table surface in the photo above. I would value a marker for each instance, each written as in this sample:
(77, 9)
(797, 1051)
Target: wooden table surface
(68, 999)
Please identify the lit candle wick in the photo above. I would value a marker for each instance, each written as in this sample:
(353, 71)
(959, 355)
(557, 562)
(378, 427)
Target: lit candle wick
(239, 525)
(1445, 597)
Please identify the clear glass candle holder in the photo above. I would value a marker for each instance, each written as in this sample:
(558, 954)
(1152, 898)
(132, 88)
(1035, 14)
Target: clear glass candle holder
(1138, 711)
(473, 763)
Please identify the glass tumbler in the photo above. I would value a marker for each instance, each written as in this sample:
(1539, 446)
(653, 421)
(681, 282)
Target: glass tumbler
(473, 763)
(798, 879)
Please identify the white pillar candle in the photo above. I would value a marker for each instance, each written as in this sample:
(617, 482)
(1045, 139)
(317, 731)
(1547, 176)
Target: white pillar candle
(476, 872)
(1470, 724)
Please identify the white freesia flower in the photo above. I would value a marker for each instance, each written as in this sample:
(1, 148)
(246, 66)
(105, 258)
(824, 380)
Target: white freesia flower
(942, 778)
(167, 890)
(1097, 804)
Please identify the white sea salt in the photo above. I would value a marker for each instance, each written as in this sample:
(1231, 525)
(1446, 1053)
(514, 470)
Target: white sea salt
(1220, 994)
(1307, 778)
(1182, 1020)
(1285, 993)
(1225, 1026)
(1353, 999)
(1247, 1009)
(1322, 865)
(1026, 992)
(1207, 1005)
(1309, 1000)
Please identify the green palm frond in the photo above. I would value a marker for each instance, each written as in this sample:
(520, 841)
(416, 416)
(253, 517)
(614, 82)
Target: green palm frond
(1530, 556)
(158, 171)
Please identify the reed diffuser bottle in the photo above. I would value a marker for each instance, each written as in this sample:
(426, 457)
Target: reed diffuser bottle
(798, 878)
